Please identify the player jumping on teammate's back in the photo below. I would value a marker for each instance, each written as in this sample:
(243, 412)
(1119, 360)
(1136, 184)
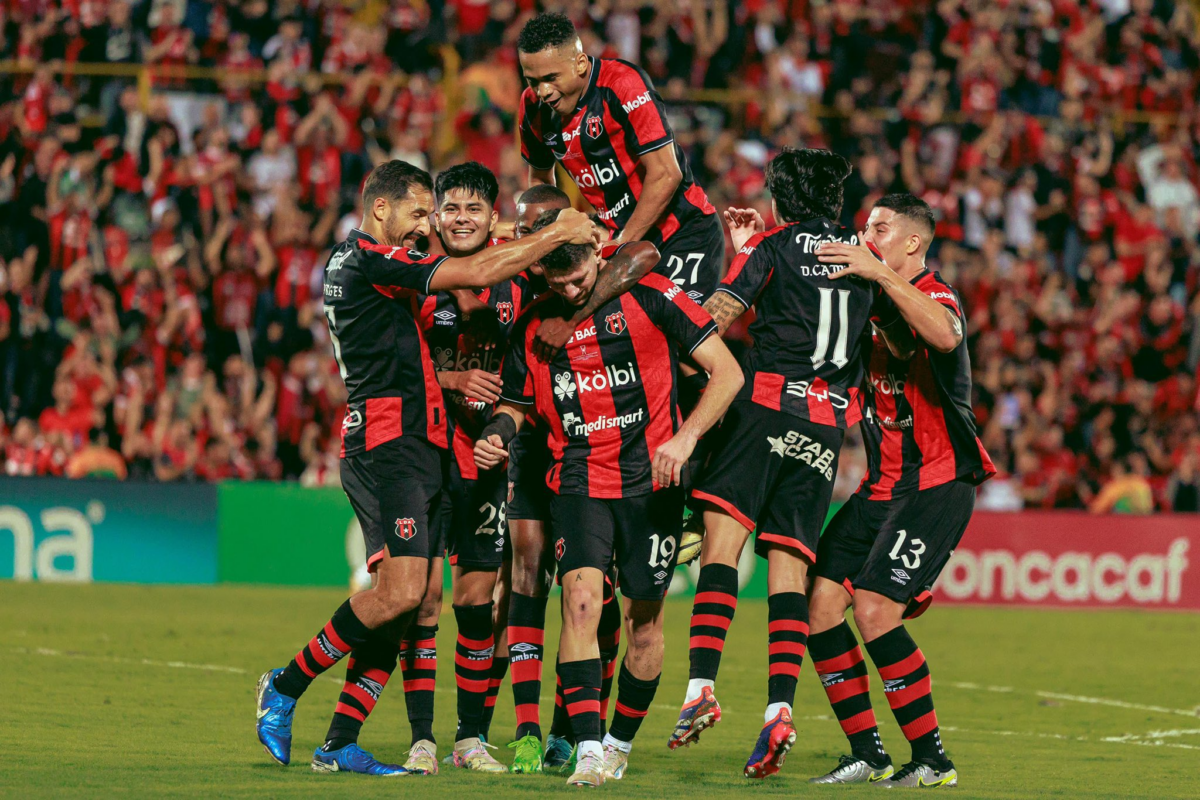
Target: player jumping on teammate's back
(609, 403)
(394, 441)
(884, 549)
(775, 454)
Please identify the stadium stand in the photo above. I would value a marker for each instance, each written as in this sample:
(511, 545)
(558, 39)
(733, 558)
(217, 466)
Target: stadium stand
(172, 173)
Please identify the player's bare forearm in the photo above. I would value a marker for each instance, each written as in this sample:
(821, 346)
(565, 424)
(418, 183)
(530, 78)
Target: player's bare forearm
(724, 308)
(537, 176)
(663, 177)
(899, 338)
(620, 274)
(724, 382)
(929, 319)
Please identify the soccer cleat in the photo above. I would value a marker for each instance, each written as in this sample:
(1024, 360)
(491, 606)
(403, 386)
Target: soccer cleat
(353, 758)
(589, 771)
(695, 718)
(615, 762)
(852, 769)
(560, 753)
(918, 775)
(473, 754)
(772, 747)
(692, 540)
(274, 722)
(528, 759)
(422, 758)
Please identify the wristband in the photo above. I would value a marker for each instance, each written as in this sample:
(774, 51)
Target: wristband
(501, 425)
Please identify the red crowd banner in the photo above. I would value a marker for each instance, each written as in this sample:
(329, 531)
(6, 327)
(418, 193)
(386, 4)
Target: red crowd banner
(1069, 559)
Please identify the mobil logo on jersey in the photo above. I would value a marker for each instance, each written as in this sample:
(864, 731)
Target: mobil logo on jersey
(589, 176)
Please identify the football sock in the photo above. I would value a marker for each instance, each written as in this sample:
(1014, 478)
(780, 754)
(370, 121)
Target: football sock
(560, 724)
(634, 697)
(581, 698)
(418, 666)
(608, 636)
(367, 672)
(526, 641)
(472, 665)
(495, 679)
(787, 636)
(343, 633)
(712, 611)
(839, 663)
(905, 677)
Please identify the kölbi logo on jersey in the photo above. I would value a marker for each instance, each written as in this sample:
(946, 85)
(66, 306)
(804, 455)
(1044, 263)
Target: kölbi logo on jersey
(610, 377)
(598, 174)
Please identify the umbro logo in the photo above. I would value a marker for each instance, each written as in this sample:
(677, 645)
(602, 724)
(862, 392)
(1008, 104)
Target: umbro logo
(658, 576)
(899, 576)
(522, 647)
(695, 295)
(830, 678)
(893, 685)
(445, 316)
(373, 688)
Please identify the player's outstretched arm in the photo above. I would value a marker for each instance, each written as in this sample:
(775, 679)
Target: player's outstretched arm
(663, 177)
(725, 381)
(494, 264)
(492, 447)
(932, 321)
(724, 308)
(537, 176)
(618, 275)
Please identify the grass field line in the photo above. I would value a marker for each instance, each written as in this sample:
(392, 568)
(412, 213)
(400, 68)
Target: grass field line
(1072, 698)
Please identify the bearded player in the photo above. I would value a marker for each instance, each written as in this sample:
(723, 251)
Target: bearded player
(885, 547)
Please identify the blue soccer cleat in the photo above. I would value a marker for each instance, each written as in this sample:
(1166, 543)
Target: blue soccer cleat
(559, 753)
(274, 723)
(694, 718)
(772, 747)
(353, 758)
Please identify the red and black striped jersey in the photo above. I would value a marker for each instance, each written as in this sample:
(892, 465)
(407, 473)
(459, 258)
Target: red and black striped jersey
(609, 398)
(372, 304)
(919, 429)
(443, 325)
(619, 118)
(810, 329)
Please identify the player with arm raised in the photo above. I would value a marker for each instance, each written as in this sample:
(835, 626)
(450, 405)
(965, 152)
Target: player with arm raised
(775, 455)
(619, 447)
(885, 548)
(394, 441)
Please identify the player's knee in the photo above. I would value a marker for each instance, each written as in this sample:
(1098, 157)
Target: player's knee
(401, 597)
(875, 616)
(581, 606)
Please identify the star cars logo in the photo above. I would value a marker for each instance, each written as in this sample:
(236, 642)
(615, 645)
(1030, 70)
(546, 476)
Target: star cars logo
(615, 323)
(594, 127)
(560, 547)
(564, 387)
(406, 528)
(803, 448)
(504, 312)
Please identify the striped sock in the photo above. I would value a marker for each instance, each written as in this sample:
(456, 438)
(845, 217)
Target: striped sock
(787, 636)
(581, 697)
(905, 677)
(712, 611)
(838, 660)
(526, 649)
(344, 632)
(608, 636)
(418, 666)
(472, 664)
(495, 680)
(634, 697)
(560, 725)
(367, 672)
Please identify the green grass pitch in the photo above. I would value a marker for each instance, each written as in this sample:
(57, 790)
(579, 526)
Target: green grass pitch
(148, 691)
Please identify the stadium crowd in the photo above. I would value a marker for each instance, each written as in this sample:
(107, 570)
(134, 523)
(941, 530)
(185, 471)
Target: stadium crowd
(161, 253)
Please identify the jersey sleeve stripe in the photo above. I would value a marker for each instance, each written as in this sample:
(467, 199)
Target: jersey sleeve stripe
(429, 278)
(733, 294)
(657, 144)
(521, 401)
(709, 330)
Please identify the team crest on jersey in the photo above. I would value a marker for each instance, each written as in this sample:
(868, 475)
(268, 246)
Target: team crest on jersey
(406, 528)
(560, 547)
(594, 127)
(504, 312)
(615, 323)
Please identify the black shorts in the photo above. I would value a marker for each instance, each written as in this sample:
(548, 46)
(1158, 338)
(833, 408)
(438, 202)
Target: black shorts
(528, 463)
(476, 529)
(896, 547)
(397, 490)
(639, 536)
(773, 472)
(694, 257)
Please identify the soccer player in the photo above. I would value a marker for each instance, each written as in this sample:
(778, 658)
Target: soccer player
(394, 441)
(885, 547)
(474, 519)
(609, 402)
(775, 454)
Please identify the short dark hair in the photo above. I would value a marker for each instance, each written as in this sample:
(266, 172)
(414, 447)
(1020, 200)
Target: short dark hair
(392, 180)
(807, 183)
(566, 256)
(544, 31)
(472, 177)
(544, 193)
(911, 207)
